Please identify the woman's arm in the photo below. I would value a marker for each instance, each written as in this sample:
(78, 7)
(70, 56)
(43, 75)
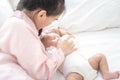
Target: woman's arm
(21, 42)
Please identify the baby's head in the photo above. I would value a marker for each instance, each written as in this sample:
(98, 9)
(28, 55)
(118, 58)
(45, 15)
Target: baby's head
(50, 39)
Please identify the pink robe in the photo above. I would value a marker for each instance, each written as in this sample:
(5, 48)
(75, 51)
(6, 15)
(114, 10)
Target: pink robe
(19, 39)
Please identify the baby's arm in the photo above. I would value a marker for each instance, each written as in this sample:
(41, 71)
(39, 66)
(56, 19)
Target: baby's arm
(74, 76)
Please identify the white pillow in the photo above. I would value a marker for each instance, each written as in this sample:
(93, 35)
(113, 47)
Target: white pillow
(5, 11)
(90, 15)
(13, 3)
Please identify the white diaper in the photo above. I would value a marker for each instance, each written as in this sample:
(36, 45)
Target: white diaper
(77, 63)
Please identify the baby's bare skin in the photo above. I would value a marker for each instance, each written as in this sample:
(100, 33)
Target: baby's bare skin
(98, 62)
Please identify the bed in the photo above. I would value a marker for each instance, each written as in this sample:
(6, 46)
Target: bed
(106, 42)
(96, 25)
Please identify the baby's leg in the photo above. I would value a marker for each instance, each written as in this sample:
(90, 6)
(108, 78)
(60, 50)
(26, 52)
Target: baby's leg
(99, 62)
(74, 76)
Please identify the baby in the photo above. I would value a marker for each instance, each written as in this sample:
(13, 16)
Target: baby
(76, 67)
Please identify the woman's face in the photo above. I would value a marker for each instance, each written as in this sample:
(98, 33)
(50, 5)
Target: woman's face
(42, 20)
(48, 21)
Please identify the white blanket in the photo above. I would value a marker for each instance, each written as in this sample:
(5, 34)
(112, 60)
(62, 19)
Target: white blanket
(96, 24)
(106, 42)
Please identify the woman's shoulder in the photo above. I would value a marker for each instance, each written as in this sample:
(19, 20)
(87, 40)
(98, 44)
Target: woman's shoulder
(14, 22)
(17, 19)
(14, 26)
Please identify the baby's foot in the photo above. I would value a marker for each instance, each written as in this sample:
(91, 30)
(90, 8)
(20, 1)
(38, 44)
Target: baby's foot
(112, 75)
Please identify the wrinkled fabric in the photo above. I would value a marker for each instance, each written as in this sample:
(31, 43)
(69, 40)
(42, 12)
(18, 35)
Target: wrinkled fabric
(19, 38)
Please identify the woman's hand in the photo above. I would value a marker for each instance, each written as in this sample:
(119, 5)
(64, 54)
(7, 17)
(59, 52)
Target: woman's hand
(66, 44)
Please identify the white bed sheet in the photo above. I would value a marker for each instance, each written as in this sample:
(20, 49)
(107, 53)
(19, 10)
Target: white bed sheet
(105, 41)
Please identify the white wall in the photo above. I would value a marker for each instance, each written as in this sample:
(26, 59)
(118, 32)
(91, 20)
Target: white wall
(6, 9)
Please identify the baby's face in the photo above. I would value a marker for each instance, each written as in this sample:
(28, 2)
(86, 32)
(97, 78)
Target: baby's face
(51, 39)
(53, 36)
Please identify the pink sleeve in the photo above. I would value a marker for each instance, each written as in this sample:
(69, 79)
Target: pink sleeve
(8, 64)
(30, 54)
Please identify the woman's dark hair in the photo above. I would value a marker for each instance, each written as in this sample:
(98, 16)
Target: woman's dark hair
(39, 32)
(53, 7)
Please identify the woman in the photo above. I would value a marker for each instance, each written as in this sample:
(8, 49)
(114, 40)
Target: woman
(19, 38)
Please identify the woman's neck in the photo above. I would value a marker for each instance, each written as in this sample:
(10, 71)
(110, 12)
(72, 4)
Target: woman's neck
(31, 15)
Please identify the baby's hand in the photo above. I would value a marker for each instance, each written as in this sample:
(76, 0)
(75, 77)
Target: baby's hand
(50, 39)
